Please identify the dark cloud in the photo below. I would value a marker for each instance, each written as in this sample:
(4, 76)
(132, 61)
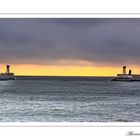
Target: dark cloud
(50, 41)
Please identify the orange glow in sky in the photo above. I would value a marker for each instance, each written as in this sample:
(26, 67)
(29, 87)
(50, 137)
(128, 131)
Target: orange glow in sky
(42, 70)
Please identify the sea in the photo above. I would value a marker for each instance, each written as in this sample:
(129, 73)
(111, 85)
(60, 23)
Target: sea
(69, 99)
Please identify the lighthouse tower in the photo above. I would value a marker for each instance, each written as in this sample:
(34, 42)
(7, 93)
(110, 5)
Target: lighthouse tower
(124, 70)
(8, 69)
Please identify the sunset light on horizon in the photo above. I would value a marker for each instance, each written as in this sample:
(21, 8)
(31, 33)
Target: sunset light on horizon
(40, 70)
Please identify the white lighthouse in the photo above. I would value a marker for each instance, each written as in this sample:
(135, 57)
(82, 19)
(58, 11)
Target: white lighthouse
(8, 69)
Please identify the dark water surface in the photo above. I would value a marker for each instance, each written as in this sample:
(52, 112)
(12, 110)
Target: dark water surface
(69, 99)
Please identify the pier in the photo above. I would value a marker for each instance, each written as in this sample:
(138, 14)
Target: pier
(126, 77)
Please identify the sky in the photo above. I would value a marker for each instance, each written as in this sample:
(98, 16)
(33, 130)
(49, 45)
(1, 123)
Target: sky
(70, 46)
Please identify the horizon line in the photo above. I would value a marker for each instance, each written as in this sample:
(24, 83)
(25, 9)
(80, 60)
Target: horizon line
(61, 76)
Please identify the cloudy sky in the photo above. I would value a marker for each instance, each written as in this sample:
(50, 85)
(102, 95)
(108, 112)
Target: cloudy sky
(70, 43)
